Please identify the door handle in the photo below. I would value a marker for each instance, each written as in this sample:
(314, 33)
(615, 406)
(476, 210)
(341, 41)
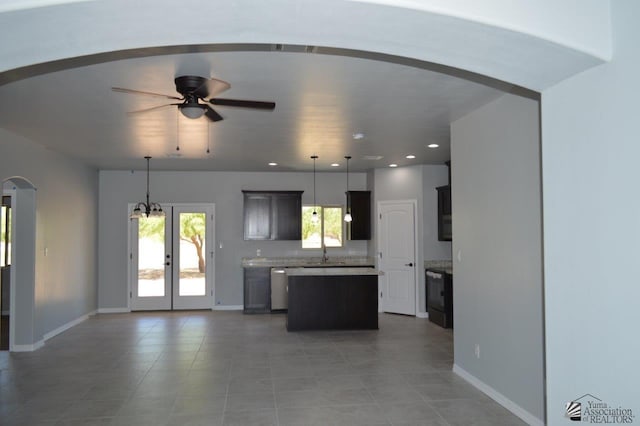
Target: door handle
(408, 264)
(168, 263)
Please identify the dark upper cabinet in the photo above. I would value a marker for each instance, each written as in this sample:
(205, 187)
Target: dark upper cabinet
(287, 216)
(444, 213)
(359, 203)
(257, 216)
(272, 215)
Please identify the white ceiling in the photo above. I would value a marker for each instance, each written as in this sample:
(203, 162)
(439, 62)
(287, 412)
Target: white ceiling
(321, 101)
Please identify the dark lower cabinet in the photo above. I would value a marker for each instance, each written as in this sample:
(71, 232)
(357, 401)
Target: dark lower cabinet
(257, 290)
(440, 297)
(333, 302)
(359, 203)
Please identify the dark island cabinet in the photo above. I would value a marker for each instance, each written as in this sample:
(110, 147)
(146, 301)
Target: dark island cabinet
(359, 203)
(272, 215)
(336, 302)
(257, 290)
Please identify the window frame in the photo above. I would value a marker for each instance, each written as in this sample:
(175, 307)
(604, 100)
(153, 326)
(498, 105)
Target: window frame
(320, 208)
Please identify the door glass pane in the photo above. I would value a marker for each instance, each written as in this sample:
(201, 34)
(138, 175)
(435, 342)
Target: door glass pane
(192, 254)
(151, 257)
(5, 232)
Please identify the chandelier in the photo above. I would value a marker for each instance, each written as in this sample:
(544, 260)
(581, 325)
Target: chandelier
(149, 208)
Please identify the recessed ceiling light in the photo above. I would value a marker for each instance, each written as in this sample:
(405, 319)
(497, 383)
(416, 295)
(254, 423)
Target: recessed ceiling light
(273, 164)
(358, 136)
(335, 165)
(433, 145)
(393, 165)
(411, 156)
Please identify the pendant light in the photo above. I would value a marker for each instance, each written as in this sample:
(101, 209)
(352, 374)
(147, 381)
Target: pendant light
(314, 215)
(347, 215)
(147, 208)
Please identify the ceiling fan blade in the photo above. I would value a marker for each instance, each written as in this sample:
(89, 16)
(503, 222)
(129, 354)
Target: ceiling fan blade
(215, 87)
(243, 103)
(212, 114)
(141, 111)
(139, 92)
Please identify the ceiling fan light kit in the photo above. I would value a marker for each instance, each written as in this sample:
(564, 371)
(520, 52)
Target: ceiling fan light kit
(192, 110)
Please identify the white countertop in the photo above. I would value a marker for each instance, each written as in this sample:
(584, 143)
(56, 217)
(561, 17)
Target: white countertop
(331, 271)
(346, 261)
(441, 265)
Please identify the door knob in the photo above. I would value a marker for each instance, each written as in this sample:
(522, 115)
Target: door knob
(408, 264)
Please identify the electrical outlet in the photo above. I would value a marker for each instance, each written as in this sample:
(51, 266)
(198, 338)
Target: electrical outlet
(477, 351)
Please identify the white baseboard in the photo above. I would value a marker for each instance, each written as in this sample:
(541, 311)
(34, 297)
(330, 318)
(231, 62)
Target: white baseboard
(228, 307)
(37, 345)
(114, 310)
(67, 326)
(422, 315)
(498, 397)
(28, 348)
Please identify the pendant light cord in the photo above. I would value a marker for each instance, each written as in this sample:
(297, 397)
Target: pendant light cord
(348, 157)
(148, 158)
(314, 181)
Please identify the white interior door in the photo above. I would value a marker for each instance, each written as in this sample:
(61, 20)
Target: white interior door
(172, 259)
(397, 257)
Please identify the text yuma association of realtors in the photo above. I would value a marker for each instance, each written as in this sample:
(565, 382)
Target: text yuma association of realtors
(600, 412)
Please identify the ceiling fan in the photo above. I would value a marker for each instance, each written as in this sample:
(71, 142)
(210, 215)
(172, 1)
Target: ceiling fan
(197, 93)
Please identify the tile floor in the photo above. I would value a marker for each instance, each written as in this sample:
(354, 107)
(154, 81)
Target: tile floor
(225, 368)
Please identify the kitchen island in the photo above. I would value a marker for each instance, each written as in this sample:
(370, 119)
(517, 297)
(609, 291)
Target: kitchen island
(332, 298)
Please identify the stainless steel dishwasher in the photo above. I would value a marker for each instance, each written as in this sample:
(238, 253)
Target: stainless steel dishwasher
(279, 297)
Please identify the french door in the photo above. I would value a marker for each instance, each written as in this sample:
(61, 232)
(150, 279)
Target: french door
(172, 259)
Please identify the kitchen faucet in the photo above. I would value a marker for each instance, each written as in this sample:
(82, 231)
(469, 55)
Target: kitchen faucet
(325, 258)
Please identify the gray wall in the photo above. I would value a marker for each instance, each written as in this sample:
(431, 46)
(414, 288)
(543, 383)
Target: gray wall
(118, 188)
(66, 225)
(416, 183)
(591, 155)
(23, 268)
(497, 230)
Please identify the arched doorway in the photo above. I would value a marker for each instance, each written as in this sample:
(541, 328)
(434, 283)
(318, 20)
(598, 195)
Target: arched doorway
(17, 284)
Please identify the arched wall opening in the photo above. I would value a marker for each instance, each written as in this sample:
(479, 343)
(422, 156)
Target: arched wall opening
(21, 272)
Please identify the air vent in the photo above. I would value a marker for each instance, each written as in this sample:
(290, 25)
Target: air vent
(373, 157)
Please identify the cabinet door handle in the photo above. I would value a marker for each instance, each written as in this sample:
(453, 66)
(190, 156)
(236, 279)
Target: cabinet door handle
(408, 264)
